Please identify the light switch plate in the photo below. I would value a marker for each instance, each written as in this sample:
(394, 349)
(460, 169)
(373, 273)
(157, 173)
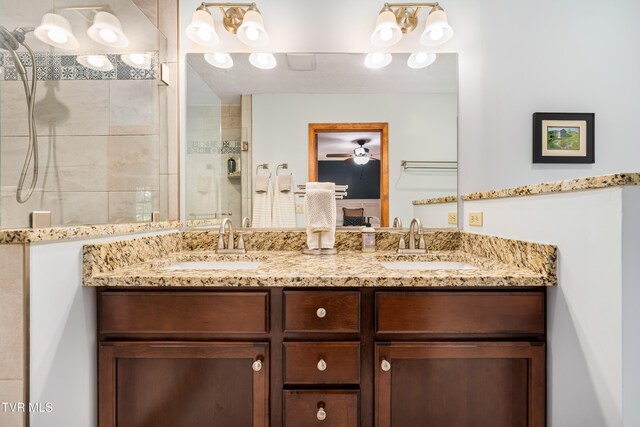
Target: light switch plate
(475, 218)
(299, 208)
(452, 218)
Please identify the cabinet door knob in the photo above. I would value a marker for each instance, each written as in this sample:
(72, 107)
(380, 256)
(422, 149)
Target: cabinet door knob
(321, 415)
(257, 365)
(385, 365)
(321, 312)
(322, 365)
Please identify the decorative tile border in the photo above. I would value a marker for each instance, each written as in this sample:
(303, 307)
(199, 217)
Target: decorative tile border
(213, 147)
(57, 66)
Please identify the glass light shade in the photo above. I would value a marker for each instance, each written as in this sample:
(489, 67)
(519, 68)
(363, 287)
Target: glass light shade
(137, 60)
(55, 31)
(421, 60)
(201, 29)
(377, 60)
(219, 60)
(252, 32)
(107, 30)
(95, 62)
(265, 61)
(437, 30)
(387, 31)
(361, 160)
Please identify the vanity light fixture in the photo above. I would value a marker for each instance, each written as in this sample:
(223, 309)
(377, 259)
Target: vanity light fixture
(137, 60)
(55, 31)
(396, 19)
(243, 19)
(95, 62)
(219, 60)
(421, 60)
(107, 30)
(263, 60)
(377, 60)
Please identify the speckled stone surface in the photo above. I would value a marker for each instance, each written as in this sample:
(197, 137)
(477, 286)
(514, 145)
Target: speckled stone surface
(436, 200)
(30, 235)
(141, 262)
(594, 182)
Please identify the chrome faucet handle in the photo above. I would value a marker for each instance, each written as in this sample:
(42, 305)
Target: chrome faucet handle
(397, 222)
(246, 222)
(221, 240)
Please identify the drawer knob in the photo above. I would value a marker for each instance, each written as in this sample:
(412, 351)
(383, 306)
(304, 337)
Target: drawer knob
(385, 365)
(322, 365)
(321, 415)
(321, 312)
(257, 365)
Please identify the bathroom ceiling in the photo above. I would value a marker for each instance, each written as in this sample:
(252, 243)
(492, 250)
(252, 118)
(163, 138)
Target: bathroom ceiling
(333, 73)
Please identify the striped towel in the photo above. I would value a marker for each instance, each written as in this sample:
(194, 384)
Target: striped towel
(284, 205)
(262, 204)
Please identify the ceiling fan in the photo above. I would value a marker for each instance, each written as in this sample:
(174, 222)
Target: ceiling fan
(360, 156)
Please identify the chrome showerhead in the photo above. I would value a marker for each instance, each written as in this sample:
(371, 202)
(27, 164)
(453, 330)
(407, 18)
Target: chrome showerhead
(8, 40)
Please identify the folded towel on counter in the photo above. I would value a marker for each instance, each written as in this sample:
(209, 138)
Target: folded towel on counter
(283, 183)
(284, 206)
(320, 214)
(262, 183)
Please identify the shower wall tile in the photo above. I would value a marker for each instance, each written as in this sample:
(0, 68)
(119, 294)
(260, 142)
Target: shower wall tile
(134, 107)
(11, 313)
(133, 163)
(69, 208)
(149, 8)
(15, 214)
(62, 108)
(11, 391)
(168, 25)
(133, 206)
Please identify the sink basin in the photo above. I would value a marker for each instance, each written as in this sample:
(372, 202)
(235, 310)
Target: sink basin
(213, 265)
(428, 265)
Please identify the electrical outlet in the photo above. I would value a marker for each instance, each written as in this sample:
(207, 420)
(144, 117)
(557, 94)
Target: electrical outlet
(300, 208)
(475, 218)
(452, 218)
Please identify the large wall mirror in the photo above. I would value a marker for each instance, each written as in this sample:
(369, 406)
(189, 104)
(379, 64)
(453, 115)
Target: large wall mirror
(385, 136)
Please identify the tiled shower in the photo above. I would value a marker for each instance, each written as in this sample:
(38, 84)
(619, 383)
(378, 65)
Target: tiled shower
(102, 135)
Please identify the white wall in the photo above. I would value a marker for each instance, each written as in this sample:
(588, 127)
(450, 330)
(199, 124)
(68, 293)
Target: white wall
(421, 127)
(63, 346)
(434, 215)
(584, 318)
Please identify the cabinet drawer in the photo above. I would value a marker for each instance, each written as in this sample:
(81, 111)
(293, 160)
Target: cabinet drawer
(321, 311)
(322, 363)
(149, 312)
(326, 408)
(460, 312)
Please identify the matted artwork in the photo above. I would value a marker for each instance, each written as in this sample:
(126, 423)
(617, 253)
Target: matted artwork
(563, 138)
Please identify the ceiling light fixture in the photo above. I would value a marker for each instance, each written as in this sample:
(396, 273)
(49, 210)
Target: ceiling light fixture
(95, 62)
(137, 60)
(396, 19)
(219, 60)
(377, 60)
(361, 160)
(55, 31)
(107, 30)
(421, 60)
(263, 60)
(243, 19)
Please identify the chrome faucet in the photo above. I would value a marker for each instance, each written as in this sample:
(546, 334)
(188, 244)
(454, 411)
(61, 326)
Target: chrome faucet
(422, 246)
(229, 249)
(246, 222)
(397, 222)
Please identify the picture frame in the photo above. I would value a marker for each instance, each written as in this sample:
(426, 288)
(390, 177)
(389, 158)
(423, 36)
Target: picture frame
(563, 138)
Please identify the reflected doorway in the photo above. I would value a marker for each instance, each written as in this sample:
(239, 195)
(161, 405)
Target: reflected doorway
(353, 154)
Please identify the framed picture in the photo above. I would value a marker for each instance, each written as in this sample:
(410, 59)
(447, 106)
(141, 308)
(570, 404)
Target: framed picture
(563, 138)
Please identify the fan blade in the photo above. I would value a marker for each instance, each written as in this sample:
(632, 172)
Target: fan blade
(338, 155)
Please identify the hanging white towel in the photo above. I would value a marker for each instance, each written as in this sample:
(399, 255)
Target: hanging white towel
(262, 202)
(284, 205)
(320, 214)
(205, 203)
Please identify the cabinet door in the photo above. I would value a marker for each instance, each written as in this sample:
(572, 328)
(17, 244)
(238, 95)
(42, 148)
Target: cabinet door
(460, 384)
(183, 384)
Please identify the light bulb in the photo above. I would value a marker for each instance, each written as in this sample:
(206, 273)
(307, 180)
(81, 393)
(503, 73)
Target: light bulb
(437, 33)
(386, 34)
(220, 57)
(252, 33)
(263, 58)
(421, 58)
(137, 58)
(204, 34)
(96, 60)
(58, 36)
(361, 160)
(107, 35)
(377, 58)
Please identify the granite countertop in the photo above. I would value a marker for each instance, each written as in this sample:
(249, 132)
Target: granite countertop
(348, 268)
(436, 200)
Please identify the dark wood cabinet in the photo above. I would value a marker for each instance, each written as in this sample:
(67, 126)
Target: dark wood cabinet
(327, 357)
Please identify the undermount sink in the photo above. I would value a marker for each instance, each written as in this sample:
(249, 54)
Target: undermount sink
(428, 265)
(213, 265)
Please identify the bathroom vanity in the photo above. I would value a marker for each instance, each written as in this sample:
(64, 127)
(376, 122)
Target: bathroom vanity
(340, 340)
(334, 357)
